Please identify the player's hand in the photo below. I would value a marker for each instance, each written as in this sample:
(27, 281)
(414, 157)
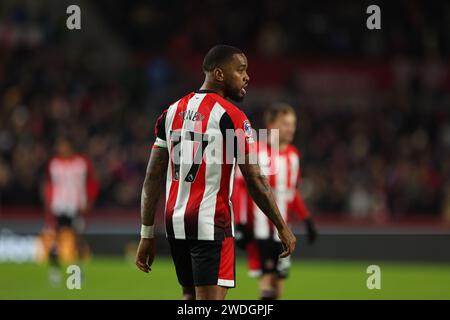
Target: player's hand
(310, 231)
(288, 241)
(145, 254)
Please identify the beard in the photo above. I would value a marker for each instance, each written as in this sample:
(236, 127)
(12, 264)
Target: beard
(237, 98)
(235, 95)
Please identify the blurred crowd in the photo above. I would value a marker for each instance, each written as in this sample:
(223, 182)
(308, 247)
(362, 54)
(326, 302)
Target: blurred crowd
(392, 158)
(372, 162)
(268, 27)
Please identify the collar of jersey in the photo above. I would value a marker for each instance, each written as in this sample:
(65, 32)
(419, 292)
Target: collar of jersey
(205, 91)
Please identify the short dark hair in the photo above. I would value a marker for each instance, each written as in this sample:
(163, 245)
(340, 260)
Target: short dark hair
(218, 55)
(275, 110)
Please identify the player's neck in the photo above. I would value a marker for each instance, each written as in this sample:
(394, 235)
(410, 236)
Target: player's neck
(212, 87)
(66, 155)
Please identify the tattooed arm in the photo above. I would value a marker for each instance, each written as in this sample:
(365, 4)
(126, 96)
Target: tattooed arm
(154, 180)
(151, 192)
(262, 194)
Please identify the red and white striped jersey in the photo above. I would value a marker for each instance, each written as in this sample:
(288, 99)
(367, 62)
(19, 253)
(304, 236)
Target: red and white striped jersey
(201, 167)
(284, 183)
(70, 184)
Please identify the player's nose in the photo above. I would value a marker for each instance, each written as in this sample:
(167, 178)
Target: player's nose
(246, 77)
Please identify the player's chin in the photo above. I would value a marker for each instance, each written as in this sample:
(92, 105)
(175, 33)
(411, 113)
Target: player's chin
(236, 98)
(239, 96)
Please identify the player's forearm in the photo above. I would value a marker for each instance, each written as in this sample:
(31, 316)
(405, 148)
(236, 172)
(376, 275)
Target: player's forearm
(261, 192)
(152, 188)
(149, 199)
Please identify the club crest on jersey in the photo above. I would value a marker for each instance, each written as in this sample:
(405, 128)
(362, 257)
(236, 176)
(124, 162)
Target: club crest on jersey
(248, 131)
(191, 115)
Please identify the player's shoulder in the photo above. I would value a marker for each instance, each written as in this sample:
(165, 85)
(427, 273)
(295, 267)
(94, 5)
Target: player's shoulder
(230, 108)
(170, 109)
(175, 104)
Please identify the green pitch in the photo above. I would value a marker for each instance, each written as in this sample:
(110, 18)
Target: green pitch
(115, 278)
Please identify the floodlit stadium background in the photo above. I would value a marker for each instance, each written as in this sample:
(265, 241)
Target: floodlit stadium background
(374, 131)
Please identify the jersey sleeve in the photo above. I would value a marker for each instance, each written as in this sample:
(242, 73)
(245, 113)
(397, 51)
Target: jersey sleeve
(248, 137)
(244, 133)
(160, 131)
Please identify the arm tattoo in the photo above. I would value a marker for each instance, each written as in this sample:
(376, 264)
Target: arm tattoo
(152, 188)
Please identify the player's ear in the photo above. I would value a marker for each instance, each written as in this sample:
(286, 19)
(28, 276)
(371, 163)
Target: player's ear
(218, 74)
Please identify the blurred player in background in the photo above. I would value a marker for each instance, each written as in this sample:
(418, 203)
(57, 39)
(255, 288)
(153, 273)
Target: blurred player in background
(198, 213)
(70, 189)
(254, 231)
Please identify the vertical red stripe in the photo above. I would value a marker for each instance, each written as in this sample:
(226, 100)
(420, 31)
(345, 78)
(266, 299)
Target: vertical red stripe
(177, 123)
(273, 184)
(198, 186)
(226, 269)
(253, 260)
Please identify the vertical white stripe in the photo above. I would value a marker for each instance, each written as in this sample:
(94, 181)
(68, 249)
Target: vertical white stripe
(213, 173)
(282, 184)
(261, 223)
(184, 188)
(229, 197)
(295, 165)
(281, 189)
